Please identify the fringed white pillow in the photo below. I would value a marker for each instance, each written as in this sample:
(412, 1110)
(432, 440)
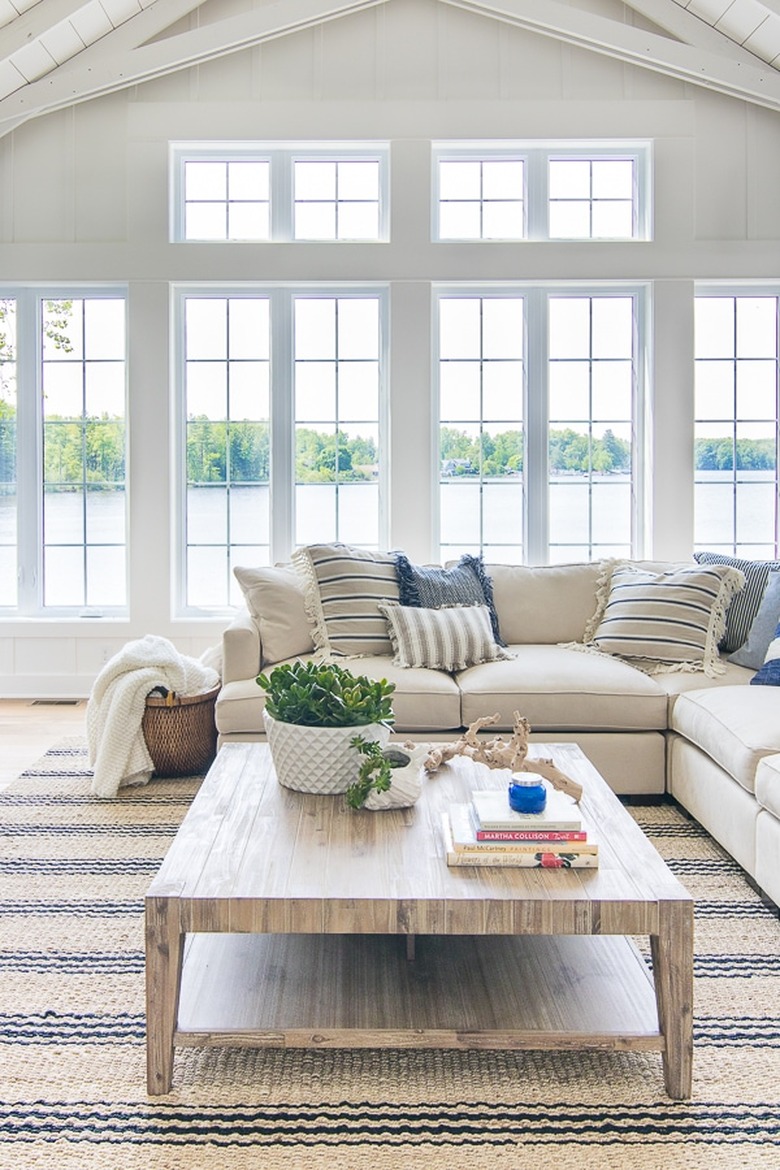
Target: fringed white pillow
(450, 638)
(666, 621)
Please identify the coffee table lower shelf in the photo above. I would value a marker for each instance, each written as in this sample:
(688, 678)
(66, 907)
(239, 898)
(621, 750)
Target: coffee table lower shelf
(466, 992)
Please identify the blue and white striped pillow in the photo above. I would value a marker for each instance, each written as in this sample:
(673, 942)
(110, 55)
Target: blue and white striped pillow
(769, 674)
(743, 609)
(342, 589)
(671, 620)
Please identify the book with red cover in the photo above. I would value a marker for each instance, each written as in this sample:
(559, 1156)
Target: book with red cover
(531, 835)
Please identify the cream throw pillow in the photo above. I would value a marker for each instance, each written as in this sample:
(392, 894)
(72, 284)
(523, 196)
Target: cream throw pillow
(274, 598)
(671, 620)
(450, 638)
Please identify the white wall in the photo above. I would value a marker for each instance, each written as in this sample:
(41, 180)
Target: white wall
(84, 198)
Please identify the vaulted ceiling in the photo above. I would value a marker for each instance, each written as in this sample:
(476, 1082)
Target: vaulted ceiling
(54, 53)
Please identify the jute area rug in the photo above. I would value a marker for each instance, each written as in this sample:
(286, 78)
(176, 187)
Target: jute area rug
(72, 1061)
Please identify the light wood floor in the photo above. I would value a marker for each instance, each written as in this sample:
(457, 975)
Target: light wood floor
(28, 729)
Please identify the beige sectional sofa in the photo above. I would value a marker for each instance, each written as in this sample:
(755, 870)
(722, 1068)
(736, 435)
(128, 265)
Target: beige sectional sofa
(712, 742)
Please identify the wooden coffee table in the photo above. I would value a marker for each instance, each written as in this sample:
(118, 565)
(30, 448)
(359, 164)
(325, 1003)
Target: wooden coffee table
(284, 920)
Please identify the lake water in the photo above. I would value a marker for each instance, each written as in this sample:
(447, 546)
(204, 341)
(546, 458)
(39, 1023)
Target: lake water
(605, 503)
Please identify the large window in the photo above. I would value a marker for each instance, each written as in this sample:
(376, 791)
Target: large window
(736, 487)
(591, 390)
(542, 191)
(482, 429)
(537, 441)
(227, 395)
(255, 192)
(337, 379)
(62, 401)
(282, 413)
(83, 401)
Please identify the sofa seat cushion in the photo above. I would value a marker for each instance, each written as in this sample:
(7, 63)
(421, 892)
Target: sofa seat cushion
(424, 700)
(557, 688)
(768, 784)
(735, 726)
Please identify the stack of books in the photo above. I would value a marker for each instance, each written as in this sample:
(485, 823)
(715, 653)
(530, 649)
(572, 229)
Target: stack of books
(488, 832)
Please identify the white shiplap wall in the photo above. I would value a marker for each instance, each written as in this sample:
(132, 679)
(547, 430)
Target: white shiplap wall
(83, 197)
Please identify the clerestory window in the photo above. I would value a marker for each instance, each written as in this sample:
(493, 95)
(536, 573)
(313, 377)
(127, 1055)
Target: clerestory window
(541, 191)
(279, 192)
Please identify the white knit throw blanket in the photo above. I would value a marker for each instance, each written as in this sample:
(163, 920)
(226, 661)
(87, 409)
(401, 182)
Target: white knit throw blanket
(117, 749)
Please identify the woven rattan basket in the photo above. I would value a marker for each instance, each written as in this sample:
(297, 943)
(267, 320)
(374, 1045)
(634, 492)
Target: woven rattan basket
(180, 733)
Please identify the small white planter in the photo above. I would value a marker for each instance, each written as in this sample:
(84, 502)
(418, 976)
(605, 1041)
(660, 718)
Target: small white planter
(406, 784)
(318, 759)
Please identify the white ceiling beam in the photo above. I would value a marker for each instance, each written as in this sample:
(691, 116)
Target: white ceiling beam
(692, 30)
(122, 59)
(33, 23)
(772, 5)
(750, 83)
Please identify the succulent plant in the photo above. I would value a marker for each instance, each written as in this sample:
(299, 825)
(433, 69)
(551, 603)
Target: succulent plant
(323, 694)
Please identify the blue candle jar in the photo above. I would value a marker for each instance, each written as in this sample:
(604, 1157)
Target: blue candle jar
(527, 794)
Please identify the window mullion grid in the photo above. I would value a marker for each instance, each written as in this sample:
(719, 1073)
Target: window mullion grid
(536, 460)
(481, 396)
(590, 400)
(29, 402)
(637, 432)
(537, 221)
(336, 378)
(734, 426)
(83, 424)
(228, 451)
(282, 424)
(777, 415)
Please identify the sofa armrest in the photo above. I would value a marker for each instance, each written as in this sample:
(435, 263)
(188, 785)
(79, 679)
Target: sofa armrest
(241, 649)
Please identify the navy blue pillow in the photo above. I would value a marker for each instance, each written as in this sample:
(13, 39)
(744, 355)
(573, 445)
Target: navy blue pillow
(431, 587)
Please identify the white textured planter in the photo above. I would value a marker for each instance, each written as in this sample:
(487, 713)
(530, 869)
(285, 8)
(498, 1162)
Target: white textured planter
(318, 759)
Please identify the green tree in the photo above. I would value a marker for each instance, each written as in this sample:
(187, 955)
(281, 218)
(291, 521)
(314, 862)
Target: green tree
(249, 445)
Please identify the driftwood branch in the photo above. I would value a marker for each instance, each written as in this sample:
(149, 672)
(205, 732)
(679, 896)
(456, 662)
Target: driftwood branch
(511, 754)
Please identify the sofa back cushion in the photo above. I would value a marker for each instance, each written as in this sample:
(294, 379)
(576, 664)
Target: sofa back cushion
(274, 598)
(544, 604)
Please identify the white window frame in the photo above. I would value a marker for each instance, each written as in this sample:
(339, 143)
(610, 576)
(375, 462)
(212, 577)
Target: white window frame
(536, 155)
(536, 453)
(282, 156)
(282, 415)
(29, 441)
(747, 291)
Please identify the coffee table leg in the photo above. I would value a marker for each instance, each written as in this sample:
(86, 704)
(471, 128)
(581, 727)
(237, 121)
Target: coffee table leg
(672, 950)
(164, 950)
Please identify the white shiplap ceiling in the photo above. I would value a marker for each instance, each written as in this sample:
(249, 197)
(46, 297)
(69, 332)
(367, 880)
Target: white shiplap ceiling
(54, 53)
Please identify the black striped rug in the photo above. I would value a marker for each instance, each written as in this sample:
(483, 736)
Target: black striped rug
(73, 872)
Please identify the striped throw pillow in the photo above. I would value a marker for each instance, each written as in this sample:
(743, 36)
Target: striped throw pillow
(671, 620)
(451, 638)
(743, 609)
(342, 590)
